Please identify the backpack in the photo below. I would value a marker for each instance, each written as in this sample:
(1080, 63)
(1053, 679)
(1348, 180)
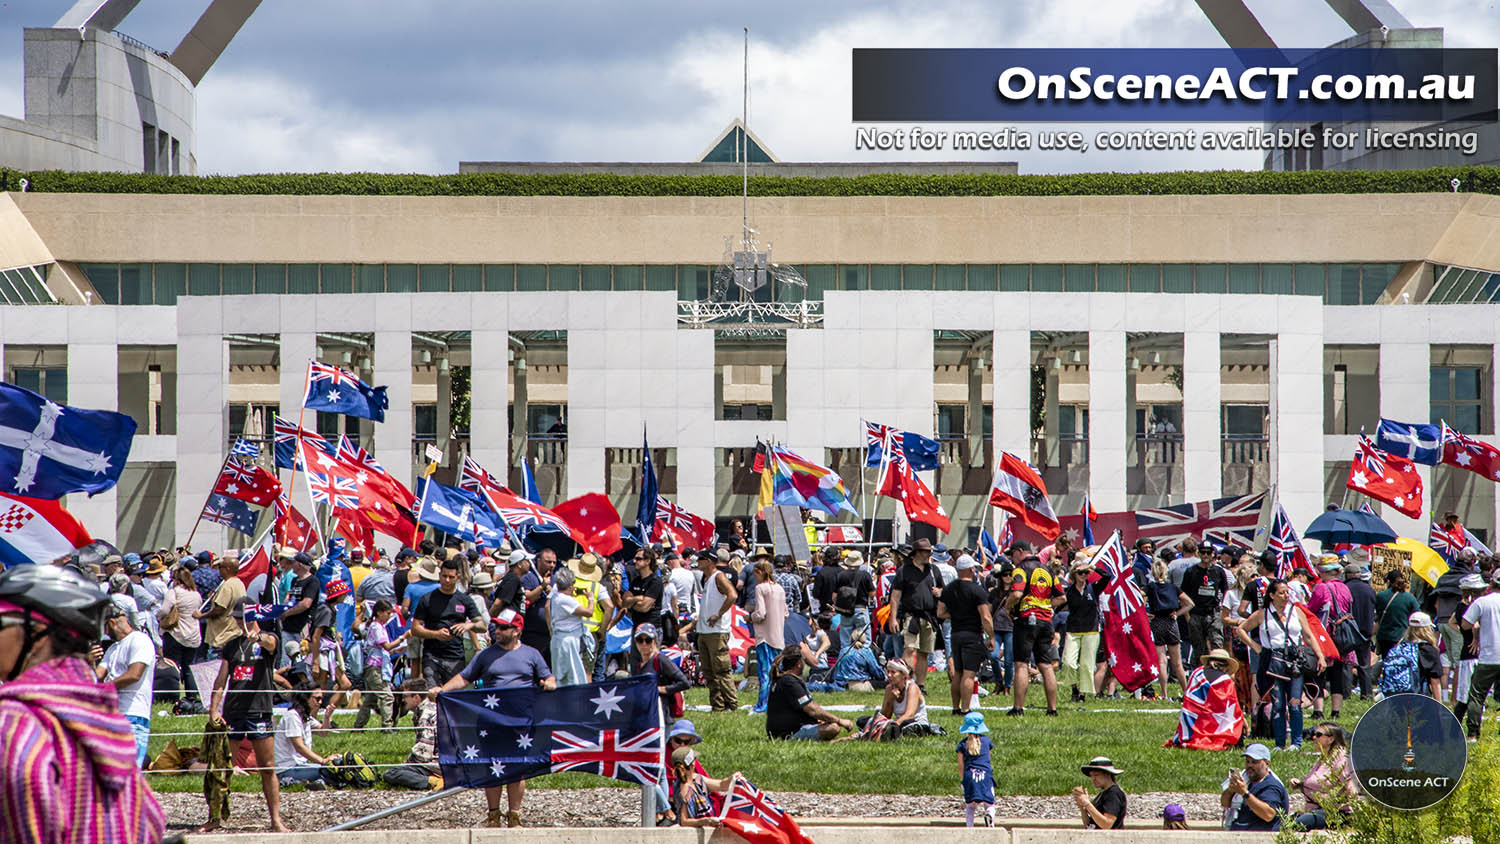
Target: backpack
(1398, 671)
(349, 770)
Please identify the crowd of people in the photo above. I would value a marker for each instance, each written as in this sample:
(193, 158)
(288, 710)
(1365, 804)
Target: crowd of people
(315, 631)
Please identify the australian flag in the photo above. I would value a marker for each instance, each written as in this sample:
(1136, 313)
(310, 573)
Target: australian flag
(489, 737)
(1417, 443)
(458, 512)
(226, 511)
(336, 390)
(645, 514)
(920, 452)
(48, 450)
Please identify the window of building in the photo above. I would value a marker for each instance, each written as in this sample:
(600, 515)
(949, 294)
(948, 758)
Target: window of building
(747, 412)
(52, 383)
(1458, 397)
(546, 420)
(424, 420)
(148, 148)
(1072, 421)
(950, 421)
(750, 372)
(1244, 420)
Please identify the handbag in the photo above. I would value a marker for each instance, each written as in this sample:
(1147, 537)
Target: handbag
(1346, 635)
(1284, 664)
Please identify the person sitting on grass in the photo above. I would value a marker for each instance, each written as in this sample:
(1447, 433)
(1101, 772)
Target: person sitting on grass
(296, 763)
(904, 709)
(1330, 784)
(421, 769)
(1107, 810)
(857, 669)
(791, 712)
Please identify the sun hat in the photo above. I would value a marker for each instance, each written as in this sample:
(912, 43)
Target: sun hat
(1329, 562)
(482, 580)
(155, 567)
(337, 588)
(1221, 654)
(1257, 751)
(1101, 763)
(1472, 581)
(427, 569)
(1174, 812)
(974, 725)
(683, 727)
(1495, 577)
(922, 544)
(587, 567)
(1419, 619)
(853, 560)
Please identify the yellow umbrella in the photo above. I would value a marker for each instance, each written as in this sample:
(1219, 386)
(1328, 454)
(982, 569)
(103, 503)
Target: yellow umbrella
(1425, 562)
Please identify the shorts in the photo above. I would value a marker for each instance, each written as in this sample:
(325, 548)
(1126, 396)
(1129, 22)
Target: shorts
(806, 732)
(1165, 631)
(924, 641)
(969, 652)
(1034, 641)
(254, 728)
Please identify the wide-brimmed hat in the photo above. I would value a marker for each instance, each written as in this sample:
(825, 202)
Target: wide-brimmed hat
(1472, 581)
(1357, 555)
(1329, 562)
(482, 580)
(1101, 763)
(1221, 654)
(853, 560)
(155, 567)
(923, 544)
(974, 725)
(427, 569)
(684, 756)
(683, 728)
(586, 567)
(335, 589)
(761, 553)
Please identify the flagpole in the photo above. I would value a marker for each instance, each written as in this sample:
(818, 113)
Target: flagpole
(885, 459)
(421, 506)
(301, 416)
(312, 518)
(201, 510)
(864, 460)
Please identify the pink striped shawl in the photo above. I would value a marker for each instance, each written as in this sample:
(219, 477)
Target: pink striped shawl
(67, 764)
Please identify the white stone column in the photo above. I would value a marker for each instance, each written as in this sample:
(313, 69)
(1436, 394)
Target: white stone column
(1405, 376)
(1011, 424)
(1297, 409)
(93, 373)
(696, 464)
(489, 399)
(1107, 420)
(1201, 398)
(202, 413)
(393, 371)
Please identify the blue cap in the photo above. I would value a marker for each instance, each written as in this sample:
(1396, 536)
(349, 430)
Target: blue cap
(1258, 751)
(974, 725)
(132, 557)
(205, 558)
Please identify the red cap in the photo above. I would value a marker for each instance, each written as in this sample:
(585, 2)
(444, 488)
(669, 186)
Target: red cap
(510, 618)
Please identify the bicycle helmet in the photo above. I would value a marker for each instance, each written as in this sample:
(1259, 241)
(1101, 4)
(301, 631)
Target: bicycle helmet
(72, 605)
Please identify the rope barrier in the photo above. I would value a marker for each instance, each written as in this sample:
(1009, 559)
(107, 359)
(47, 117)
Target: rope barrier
(185, 771)
(316, 729)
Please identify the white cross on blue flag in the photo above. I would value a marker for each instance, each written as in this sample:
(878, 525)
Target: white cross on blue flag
(1417, 443)
(48, 450)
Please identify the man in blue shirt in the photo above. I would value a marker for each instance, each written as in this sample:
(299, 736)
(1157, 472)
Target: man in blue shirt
(1256, 793)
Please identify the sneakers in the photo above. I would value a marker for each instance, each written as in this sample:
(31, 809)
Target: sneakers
(989, 819)
(1015, 712)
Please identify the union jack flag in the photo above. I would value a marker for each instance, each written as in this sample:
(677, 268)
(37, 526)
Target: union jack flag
(337, 492)
(286, 443)
(1222, 519)
(1127, 626)
(1444, 542)
(637, 758)
(237, 515)
(335, 376)
(1290, 555)
(741, 637)
(746, 799)
(240, 472)
(474, 478)
(1123, 593)
(755, 817)
(248, 482)
(692, 530)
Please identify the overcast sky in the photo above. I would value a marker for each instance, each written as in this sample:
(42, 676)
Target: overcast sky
(419, 85)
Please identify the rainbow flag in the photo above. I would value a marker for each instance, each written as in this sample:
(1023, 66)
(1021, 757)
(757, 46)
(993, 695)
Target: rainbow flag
(797, 481)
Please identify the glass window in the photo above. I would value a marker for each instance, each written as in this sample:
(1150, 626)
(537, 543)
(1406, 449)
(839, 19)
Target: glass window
(1079, 277)
(1309, 278)
(239, 279)
(1177, 278)
(370, 278)
(1145, 278)
(1438, 386)
(661, 277)
(562, 277)
(1466, 384)
(171, 282)
(985, 277)
(1244, 278)
(531, 277)
(1046, 277)
(885, 277)
(854, 277)
(499, 276)
(336, 278)
(1015, 277)
(1245, 420)
(401, 278)
(1112, 278)
(27, 379)
(302, 278)
(106, 281)
(692, 283)
(917, 277)
(424, 420)
(468, 277)
(1466, 417)
(55, 385)
(1374, 280)
(1208, 278)
(270, 278)
(950, 421)
(949, 277)
(434, 278)
(820, 277)
(1276, 278)
(135, 284)
(594, 277)
(1343, 284)
(203, 279)
(627, 277)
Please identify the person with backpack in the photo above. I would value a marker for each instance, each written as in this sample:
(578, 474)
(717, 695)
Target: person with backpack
(1332, 602)
(1414, 664)
(1281, 631)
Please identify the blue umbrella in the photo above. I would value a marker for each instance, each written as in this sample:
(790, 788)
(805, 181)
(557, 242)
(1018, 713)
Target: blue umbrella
(1350, 527)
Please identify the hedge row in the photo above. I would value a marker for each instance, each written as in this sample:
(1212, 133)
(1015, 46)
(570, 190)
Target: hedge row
(1437, 179)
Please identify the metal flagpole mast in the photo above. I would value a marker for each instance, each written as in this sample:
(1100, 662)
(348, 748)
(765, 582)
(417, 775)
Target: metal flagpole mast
(863, 508)
(201, 510)
(885, 461)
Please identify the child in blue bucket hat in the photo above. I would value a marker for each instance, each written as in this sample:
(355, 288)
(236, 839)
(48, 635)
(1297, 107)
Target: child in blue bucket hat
(975, 770)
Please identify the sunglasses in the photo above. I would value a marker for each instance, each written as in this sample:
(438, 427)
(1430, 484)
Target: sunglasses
(1321, 734)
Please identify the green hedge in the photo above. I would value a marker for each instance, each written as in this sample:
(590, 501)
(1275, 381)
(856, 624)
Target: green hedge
(1437, 179)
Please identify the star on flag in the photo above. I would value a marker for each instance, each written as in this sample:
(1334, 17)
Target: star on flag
(491, 701)
(498, 769)
(606, 702)
(471, 752)
(523, 741)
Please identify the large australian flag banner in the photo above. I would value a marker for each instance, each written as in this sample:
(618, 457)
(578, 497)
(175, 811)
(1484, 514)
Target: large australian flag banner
(488, 737)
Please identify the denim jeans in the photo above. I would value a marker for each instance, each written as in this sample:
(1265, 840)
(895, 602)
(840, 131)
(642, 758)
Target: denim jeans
(1316, 819)
(1003, 658)
(1282, 692)
(296, 774)
(764, 656)
(141, 728)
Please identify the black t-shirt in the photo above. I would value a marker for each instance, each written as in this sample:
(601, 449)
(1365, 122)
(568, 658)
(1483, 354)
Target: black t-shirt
(250, 669)
(437, 611)
(508, 593)
(915, 585)
(1255, 593)
(1111, 801)
(863, 584)
(965, 600)
(784, 714)
(307, 587)
(1206, 587)
(1083, 608)
(826, 583)
(650, 587)
(322, 616)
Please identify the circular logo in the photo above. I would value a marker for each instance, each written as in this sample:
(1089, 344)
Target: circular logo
(1408, 752)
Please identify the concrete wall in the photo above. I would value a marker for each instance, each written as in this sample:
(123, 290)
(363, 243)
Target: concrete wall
(822, 834)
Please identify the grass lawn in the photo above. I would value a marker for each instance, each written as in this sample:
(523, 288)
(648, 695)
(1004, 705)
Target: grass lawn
(1032, 755)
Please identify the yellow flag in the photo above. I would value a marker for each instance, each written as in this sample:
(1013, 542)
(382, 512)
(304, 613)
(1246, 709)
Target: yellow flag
(766, 487)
